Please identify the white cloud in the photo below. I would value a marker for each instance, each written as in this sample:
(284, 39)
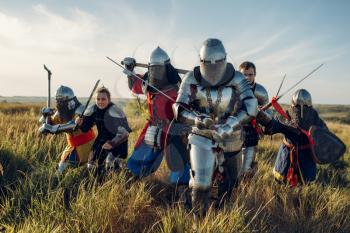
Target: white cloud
(74, 43)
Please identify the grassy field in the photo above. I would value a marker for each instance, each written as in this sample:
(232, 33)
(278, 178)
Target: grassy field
(34, 199)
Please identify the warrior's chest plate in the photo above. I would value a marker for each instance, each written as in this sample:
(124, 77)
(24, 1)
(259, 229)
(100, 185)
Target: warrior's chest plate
(216, 102)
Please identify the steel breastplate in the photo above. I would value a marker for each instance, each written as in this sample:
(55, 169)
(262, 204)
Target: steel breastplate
(217, 102)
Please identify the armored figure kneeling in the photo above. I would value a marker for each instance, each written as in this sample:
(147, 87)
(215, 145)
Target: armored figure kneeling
(307, 142)
(111, 143)
(79, 143)
(160, 84)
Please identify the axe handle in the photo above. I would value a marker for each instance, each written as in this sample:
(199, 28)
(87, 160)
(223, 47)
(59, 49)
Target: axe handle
(49, 86)
(266, 106)
(143, 65)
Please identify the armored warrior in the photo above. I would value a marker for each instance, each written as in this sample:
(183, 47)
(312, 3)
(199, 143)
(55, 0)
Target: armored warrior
(216, 100)
(111, 143)
(149, 148)
(79, 143)
(252, 130)
(295, 162)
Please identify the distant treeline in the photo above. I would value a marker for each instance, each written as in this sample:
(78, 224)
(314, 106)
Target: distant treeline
(21, 104)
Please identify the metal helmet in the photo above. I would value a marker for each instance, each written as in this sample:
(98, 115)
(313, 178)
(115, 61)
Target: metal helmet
(212, 61)
(302, 97)
(66, 102)
(158, 57)
(64, 93)
(157, 68)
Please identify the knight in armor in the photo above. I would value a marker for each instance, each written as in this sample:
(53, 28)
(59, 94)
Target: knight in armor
(295, 162)
(79, 143)
(111, 143)
(216, 101)
(150, 145)
(252, 130)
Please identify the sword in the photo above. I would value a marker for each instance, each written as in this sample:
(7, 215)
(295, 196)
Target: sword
(279, 97)
(308, 75)
(88, 101)
(281, 84)
(87, 104)
(143, 65)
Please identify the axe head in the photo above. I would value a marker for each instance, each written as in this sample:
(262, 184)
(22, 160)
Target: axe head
(48, 71)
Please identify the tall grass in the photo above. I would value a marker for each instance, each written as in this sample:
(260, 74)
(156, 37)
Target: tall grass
(34, 199)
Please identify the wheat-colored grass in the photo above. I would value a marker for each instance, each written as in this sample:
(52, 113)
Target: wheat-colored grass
(33, 199)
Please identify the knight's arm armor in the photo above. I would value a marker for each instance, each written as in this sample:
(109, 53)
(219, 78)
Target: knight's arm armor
(46, 115)
(263, 117)
(123, 129)
(249, 108)
(120, 137)
(183, 99)
(88, 118)
(262, 96)
(55, 127)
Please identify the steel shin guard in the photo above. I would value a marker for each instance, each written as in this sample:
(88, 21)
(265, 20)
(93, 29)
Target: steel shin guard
(248, 155)
(202, 159)
(110, 161)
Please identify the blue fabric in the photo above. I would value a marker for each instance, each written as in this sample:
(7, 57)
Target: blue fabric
(144, 160)
(180, 177)
(307, 165)
(72, 158)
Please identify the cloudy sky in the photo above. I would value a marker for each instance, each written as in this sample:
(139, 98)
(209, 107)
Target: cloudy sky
(72, 37)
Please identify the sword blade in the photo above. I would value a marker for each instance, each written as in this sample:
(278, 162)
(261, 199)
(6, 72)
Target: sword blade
(308, 75)
(88, 101)
(284, 77)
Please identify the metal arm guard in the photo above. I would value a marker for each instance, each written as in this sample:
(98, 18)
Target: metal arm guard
(183, 98)
(183, 115)
(56, 129)
(263, 98)
(263, 118)
(120, 137)
(261, 94)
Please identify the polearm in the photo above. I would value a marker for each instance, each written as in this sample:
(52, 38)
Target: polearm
(143, 65)
(48, 86)
(279, 97)
(48, 93)
(161, 92)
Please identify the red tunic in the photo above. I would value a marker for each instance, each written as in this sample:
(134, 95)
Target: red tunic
(159, 108)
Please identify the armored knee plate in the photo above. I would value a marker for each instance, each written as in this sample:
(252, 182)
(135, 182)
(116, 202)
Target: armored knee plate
(202, 157)
(61, 167)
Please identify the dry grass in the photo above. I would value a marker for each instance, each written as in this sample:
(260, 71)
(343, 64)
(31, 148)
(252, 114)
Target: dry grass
(33, 199)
